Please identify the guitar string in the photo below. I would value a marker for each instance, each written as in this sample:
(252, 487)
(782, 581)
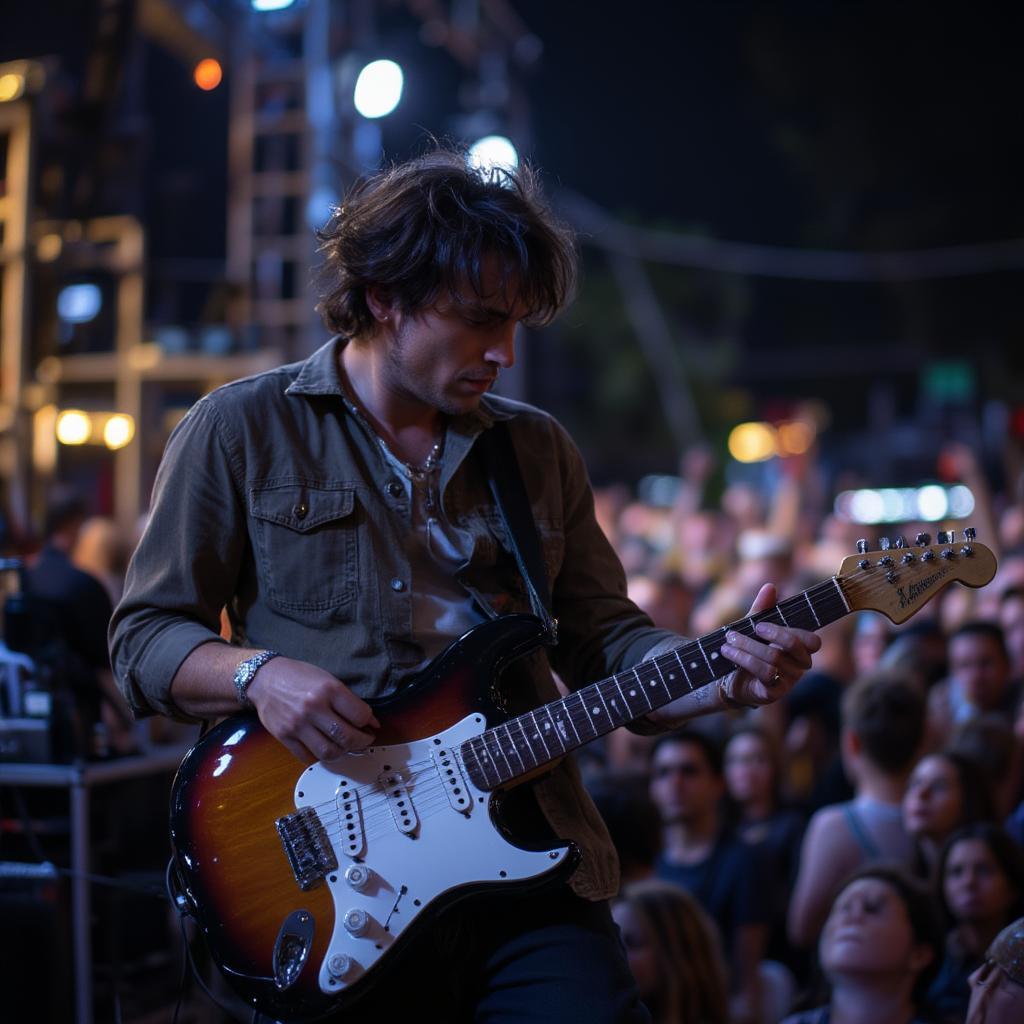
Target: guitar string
(607, 689)
(427, 803)
(604, 689)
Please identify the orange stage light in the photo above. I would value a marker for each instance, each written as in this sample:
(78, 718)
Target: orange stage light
(207, 74)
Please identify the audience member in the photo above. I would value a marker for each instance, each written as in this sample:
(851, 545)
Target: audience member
(878, 949)
(752, 778)
(814, 775)
(919, 649)
(871, 636)
(988, 741)
(997, 986)
(100, 551)
(979, 680)
(633, 823)
(1011, 619)
(883, 725)
(71, 612)
(945, 791)
(700, 855)
(674, 952)
(981, 874)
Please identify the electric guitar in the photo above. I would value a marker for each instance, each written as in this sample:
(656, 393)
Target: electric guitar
(308, 881)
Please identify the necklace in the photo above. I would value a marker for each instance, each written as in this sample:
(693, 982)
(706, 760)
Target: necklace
(429, 464)
(417, 473)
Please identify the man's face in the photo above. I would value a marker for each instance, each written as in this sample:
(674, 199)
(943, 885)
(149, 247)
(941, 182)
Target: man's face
(682, 784)
(978, 665)
(449, 356)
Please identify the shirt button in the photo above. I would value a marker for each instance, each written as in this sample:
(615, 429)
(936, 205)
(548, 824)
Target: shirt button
(395, 489)
(397, 584)
(300, 510)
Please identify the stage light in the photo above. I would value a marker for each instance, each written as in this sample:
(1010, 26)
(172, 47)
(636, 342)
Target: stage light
(493, 153)
(73, 427)
(79, 303)
(961, 501)
(208, 74)
(753, 442)
(49, 247)
(931, 503)
(795, 437)
(118, 431)
(12, 86)
(378, 88)
(271, 5)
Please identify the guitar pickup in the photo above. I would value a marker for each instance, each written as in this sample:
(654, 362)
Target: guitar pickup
(350, 815)
(306, 846)
(450, 772)
(397, 793)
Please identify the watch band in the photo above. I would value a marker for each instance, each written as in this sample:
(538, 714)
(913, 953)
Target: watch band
(246, 672)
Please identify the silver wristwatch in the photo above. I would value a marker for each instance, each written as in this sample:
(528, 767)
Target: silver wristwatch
(246, 672)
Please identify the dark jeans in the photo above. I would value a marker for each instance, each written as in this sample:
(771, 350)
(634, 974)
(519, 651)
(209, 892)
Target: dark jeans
(548, 956)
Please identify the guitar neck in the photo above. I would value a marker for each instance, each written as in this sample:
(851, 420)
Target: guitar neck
(532, 741)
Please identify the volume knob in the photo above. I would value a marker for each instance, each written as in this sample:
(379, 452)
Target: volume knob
(357, 876)
(356, 922)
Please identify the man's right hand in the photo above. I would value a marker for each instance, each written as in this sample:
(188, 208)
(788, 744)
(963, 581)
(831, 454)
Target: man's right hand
(316, 716)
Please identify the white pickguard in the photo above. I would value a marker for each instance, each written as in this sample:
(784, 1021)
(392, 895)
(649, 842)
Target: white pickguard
(408, 867)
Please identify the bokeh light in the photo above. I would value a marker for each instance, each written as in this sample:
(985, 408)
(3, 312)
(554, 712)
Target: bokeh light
(73, 427)
(378, 88)
(208, 74)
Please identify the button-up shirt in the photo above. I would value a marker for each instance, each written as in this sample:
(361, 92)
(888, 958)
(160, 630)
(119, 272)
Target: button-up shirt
(275, 501)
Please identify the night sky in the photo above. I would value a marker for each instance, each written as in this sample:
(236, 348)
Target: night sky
(863, 127)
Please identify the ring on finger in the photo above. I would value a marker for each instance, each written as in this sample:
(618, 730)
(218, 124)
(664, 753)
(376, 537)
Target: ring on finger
(775, 679)
(334, 730)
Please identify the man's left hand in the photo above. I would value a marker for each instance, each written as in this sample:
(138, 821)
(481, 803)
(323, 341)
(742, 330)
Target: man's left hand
(768, 665)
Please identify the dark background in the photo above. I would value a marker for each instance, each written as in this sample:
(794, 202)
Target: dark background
(869, 127)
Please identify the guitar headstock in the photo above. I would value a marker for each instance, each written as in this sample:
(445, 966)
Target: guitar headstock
(900, 578)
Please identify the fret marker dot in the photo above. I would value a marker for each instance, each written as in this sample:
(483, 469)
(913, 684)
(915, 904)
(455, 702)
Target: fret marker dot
(653, 684)
(714, 654)
(671, 675)
(547, 725)
(632, 693)
(693, 664)
(596, 711)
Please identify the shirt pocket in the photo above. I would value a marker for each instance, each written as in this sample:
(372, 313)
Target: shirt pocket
(305, 543)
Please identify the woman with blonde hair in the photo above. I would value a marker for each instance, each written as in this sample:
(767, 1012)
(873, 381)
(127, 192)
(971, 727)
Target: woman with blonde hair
(674, 952)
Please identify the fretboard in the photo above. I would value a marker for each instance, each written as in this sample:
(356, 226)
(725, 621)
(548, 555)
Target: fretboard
(532, 741)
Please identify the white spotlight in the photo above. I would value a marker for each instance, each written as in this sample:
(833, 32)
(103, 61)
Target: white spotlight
(271, 5)
(493, 153)
(79, 303)
(378, 88)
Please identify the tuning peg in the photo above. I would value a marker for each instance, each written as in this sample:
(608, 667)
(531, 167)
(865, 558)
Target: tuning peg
(883, 543)
(970, 534)
(862, 547)
(943, 537)
(923, 540)
(901, 541)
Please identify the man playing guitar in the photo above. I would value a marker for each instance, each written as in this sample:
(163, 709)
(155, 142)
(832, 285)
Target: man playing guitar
(339, 510)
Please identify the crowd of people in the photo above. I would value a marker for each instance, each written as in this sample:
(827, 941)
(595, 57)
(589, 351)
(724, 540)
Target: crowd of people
(854, 852)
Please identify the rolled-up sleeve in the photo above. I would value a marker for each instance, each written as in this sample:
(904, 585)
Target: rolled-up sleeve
(186, 566)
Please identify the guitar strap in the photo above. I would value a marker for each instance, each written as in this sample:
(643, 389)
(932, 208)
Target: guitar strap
(505, 479)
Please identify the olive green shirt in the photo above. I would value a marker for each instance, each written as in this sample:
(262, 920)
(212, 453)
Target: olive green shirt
(275, 501)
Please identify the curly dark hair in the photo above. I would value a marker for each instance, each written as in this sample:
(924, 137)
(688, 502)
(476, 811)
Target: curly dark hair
(421, 230)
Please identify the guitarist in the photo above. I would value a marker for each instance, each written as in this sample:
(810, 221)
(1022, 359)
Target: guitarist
(337, 510)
